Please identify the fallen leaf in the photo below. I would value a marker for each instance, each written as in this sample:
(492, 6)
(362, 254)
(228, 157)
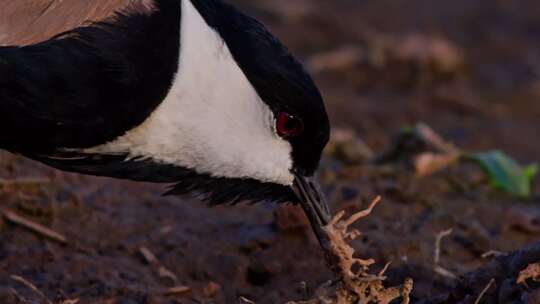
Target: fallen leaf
(429, 163)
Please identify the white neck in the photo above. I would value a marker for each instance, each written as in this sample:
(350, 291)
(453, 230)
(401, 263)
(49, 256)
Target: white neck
(212, 120)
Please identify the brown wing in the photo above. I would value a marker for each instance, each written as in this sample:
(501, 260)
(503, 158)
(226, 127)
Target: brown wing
(24, 22)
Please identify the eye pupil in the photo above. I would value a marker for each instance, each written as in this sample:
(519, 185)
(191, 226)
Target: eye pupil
(288, 125)
(291, 124)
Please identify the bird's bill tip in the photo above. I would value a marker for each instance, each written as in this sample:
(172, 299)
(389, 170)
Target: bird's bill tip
(312, 200)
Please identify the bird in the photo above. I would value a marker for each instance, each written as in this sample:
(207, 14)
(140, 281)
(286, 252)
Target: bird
(190, 93)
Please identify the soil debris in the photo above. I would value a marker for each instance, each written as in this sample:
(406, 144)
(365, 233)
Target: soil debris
(347, 147)
(531, 272)
(427, 151)
(23, 184)
(505, 271)
(211, 289)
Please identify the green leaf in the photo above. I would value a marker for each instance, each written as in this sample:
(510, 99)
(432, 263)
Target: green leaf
(531, 171)
(407, 130)
(505, 173)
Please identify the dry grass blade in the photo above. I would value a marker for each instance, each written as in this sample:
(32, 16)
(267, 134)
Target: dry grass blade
(437, 256)
(35, 227)
(32, 287)
(493, 253)
(438, 240)
(481, 295)
(162, 271)
(444, 272)
(244, 300)
(167, 274)
(148, 256)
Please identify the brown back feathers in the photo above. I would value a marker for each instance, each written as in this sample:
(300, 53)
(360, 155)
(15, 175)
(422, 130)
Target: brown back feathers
(24, 22)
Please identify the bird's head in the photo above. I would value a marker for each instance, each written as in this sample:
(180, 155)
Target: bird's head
(270, 125)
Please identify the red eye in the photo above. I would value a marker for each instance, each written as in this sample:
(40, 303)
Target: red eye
(288, 125)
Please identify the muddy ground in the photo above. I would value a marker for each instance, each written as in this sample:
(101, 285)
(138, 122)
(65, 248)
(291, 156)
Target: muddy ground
(469, 69)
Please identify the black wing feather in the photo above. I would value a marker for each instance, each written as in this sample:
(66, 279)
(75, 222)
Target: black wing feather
(89, 85)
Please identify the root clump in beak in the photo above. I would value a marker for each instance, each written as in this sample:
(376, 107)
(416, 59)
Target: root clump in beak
(355, 284)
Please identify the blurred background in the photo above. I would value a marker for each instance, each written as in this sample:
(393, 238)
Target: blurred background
(419, 93)
(470, 69)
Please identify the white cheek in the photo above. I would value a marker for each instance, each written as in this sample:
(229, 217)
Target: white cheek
(212, 120)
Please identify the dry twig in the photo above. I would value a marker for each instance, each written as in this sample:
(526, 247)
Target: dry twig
(35, 227)
(178, 291)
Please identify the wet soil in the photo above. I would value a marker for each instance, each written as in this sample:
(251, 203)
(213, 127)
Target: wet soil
(481, 91)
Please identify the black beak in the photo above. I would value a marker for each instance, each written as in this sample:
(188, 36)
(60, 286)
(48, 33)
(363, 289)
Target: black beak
(313, 202)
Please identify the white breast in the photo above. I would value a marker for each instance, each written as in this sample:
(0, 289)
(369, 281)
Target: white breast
(212, 120)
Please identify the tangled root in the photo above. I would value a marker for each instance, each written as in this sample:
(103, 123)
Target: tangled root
(354, 286)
